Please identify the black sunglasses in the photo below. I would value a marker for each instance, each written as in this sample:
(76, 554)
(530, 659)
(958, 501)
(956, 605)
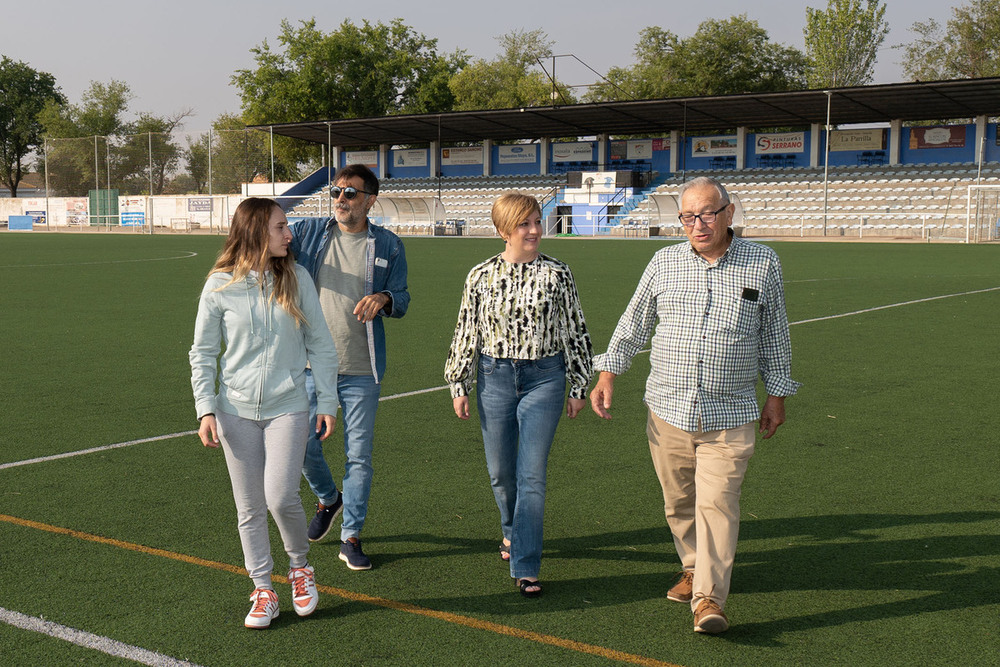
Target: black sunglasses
(348, 192)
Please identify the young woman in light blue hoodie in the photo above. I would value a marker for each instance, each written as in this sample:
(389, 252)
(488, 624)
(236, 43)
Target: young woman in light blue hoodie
(263, 307)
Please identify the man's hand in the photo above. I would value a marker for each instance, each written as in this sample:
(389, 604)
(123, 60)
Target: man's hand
(370, 306)
(325, 425)
(600, 397)
(772, 415)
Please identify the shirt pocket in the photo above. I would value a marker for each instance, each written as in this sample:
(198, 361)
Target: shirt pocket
(741, 312)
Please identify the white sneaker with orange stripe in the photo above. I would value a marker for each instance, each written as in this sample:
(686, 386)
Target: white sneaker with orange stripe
(304, 593)
(264, 609)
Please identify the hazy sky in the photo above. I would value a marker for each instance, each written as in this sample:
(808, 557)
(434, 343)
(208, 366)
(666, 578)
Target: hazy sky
(181, 54)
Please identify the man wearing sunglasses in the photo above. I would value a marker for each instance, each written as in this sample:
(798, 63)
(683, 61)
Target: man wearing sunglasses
(360, 274)
(721, 310)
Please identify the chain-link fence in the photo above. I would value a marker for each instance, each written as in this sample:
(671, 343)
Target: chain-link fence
(156, 163)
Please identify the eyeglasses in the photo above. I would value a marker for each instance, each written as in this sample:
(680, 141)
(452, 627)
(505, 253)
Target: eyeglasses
(348, 192)
(688, 219)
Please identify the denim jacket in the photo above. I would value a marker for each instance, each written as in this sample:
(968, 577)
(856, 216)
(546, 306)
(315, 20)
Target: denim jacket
(385, 271)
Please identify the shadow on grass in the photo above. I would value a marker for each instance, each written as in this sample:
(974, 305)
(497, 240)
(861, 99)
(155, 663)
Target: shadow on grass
(834, 553)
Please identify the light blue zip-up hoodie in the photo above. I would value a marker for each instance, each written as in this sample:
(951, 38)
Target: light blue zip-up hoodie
(261, 373)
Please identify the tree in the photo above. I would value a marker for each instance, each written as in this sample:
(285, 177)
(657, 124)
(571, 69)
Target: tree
(92, 145)
(724, 56)
(148, 144)
(77, 145)
(354, 72)
(196, 158)
(842, 42)
(968, 48)
(509, 81)
(238, 156)
(23, 94)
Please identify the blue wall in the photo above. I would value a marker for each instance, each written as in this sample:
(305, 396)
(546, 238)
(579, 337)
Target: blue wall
(660, 160)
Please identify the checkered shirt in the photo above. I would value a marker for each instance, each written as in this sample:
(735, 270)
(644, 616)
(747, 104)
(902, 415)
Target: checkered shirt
(719, 326)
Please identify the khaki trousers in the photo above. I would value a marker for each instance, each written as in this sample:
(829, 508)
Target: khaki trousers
(701, 473)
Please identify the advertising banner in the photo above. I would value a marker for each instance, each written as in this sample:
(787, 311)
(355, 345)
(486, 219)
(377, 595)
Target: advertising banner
(367, 158)
(409, 158)
(595, 182)
(661, 144)
(132, 211)
(199, 205)
(705, 146)
(634, 149)
(578, 151)
(858, 140)
(36, 209)
(786, 142)
(518, 154)
(945, 136)
(77, 211)
(462, 155)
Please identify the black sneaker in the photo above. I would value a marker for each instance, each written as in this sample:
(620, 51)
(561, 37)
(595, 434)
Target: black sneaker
(321, 523)
(351, 553)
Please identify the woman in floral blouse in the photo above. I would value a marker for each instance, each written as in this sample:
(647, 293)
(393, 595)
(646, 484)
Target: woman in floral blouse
(521, 326)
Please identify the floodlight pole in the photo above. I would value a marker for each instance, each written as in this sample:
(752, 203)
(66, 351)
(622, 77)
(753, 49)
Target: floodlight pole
(45, 158)
(826, 161)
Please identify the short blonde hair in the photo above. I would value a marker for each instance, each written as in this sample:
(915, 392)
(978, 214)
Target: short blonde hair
(511, 209)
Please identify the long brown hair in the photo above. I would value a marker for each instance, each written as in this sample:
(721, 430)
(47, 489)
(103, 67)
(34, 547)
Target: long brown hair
(246, 249)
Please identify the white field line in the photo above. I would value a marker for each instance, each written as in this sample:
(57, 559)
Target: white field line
(187, 255)
(91, 641)
(894, 305)
(406, 394)
(92, 450)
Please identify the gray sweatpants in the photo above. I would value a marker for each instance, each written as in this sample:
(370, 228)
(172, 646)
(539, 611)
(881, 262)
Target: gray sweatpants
(265, 462)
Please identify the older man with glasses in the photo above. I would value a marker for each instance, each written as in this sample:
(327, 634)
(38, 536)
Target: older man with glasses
(721, 310)
(360, 274)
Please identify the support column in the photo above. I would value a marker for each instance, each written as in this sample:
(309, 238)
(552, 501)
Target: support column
(488, 157)
(435, 159)
(383, 159)
(602, 152)
(675, 151)
(980, 138)
(741, 148)
(543, 157)
(895, 138)
(816, 138)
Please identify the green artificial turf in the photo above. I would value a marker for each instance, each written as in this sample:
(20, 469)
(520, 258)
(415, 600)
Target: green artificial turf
(871, 521)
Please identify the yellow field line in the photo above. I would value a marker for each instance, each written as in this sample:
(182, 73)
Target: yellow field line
(467, 621)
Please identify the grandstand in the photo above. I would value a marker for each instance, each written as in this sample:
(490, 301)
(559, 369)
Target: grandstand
(868, 169)
(443, 206)
(929, 201)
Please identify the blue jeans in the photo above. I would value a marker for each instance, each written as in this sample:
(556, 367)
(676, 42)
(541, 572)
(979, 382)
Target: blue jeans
(358, 396)
(520, 403)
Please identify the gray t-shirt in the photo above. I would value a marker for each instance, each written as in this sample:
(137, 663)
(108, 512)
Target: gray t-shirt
(341, 285)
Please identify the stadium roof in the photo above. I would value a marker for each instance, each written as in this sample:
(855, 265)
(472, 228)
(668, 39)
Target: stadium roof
(934, 100)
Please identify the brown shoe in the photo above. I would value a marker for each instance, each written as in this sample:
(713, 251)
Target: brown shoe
(681, 591)
(708, 618)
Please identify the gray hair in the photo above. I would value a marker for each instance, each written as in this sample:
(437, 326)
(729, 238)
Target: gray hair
(704, 181)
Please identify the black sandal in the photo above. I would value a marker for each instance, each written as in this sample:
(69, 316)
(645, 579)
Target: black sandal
(504, 552)
(523, 584)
